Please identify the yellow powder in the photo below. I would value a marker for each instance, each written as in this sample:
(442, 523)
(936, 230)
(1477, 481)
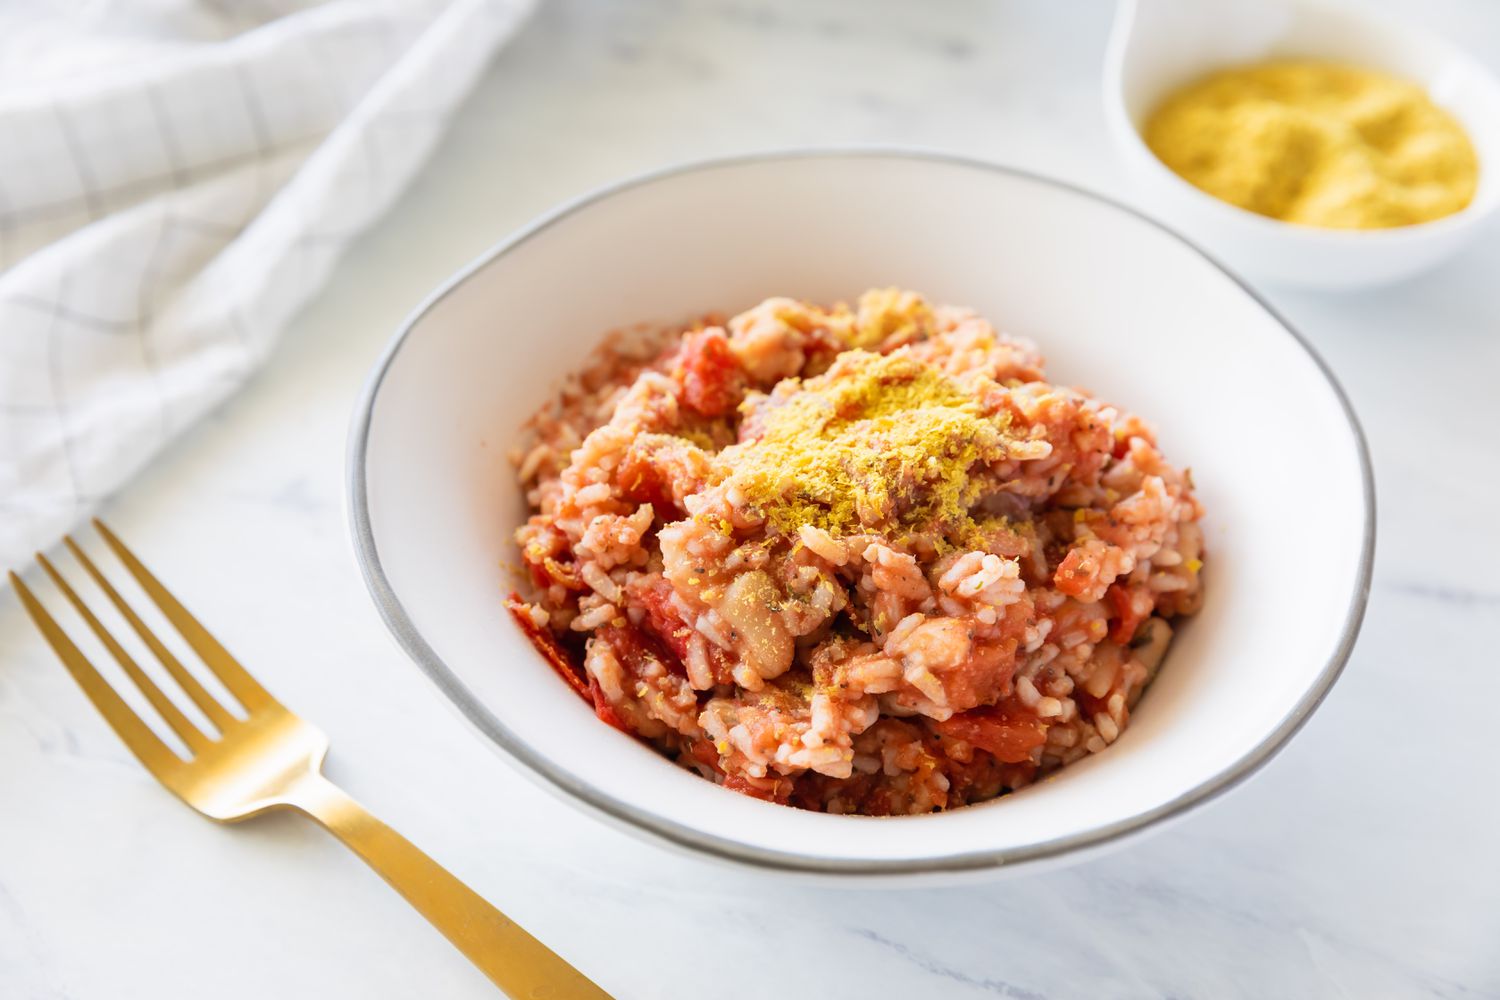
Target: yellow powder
(977, 533)
(699, 437)
(877, 442)
(1316, 143)
(886, 312)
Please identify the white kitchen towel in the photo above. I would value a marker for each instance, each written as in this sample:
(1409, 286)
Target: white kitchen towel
(177, 178)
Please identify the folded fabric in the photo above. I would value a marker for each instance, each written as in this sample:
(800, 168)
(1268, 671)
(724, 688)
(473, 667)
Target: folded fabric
(176, 181)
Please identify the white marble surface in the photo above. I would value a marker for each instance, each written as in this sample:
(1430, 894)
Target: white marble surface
(1362, 863)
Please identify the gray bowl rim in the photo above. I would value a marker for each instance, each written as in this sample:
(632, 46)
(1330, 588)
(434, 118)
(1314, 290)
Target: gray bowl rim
(579, 792)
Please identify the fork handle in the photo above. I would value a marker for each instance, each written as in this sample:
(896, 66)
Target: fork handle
(518, 963)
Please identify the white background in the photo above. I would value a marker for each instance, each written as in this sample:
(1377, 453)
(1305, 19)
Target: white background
(1361, 863)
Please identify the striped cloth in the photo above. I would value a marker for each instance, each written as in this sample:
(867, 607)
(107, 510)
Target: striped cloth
(177, 178)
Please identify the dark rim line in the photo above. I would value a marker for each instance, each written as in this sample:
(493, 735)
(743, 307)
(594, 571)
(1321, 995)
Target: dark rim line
(405, 633)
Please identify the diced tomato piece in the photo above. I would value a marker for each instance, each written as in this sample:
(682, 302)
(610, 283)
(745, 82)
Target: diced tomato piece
(1007, 730)
(713, 383)
(552, 651)
(984, 676)
(565, 573)
(771, 788)
(704, 752)
(643, 480)
(663, 620)
(1126, 619)
(605, 710)
(1076, 574)
(635, 648)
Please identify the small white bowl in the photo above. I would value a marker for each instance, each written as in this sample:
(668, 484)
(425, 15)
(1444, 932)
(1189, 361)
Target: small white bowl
(1160, 45)
(1117, 302)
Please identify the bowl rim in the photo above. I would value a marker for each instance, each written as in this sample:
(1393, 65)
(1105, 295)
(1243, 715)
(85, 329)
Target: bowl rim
(642, 821)
(1128, 136)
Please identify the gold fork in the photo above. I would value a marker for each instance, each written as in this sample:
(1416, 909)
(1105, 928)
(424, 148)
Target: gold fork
(271, 759)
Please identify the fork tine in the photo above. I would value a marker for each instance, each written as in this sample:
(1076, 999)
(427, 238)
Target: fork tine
(233, 676)
(206, 702)
(190, 734)
(145, 744)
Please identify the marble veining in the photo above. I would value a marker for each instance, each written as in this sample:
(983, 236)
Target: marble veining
(995, 987)
(1444, 594)
(1360, 863)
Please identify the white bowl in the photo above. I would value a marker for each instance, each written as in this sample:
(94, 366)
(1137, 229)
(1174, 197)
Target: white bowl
(1117, 302)
(1159, 45)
